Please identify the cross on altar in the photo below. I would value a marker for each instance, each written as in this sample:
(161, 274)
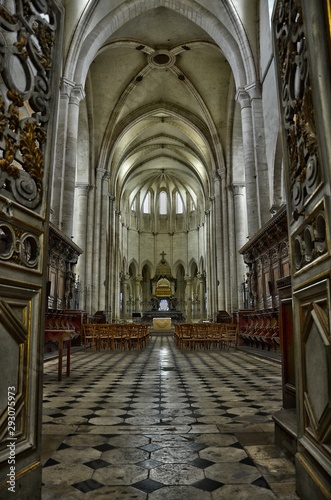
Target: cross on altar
(163, 254)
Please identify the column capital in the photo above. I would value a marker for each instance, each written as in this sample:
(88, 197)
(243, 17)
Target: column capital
(106, 175)
(77, 94)
(222, 173)
(66, 87)
(242, 96)
(238, 189)
(100, 172)
(254, 90)
(83, 187)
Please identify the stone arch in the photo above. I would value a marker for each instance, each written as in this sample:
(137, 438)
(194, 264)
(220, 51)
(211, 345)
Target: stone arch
(193, 268)
(236, 48)
(113, 136)
(133, 268)
(179, 263)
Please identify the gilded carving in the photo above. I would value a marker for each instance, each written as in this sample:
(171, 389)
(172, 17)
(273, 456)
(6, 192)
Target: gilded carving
(27, 29)
(31, 137)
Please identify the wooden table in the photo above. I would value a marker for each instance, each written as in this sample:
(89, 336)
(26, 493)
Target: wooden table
(60, 336)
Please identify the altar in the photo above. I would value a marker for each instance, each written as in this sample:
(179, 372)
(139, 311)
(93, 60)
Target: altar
(163, 311)
(161, 324)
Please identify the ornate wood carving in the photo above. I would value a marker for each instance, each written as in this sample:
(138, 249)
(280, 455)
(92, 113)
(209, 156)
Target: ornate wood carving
(266, 255)
(26, 44)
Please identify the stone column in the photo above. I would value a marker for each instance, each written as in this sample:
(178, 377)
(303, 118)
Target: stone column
(77, 94)
(225, 232)
(240, 236)
(58, 175)
(117, 263)
(249, 159)
(125, 281)
(202, 288)
(138, 298)
(89, 258)
(188, 298)
(81, 225)
(210, 263)
(97, 240)
(104, 240)
(262, 178)
(219, 243)
(112, 282)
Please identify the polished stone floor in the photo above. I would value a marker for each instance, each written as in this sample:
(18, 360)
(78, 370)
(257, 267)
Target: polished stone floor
(164, 424)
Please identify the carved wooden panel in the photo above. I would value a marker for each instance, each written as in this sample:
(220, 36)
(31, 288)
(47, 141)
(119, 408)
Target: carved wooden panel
(30, 33)
(301, 34)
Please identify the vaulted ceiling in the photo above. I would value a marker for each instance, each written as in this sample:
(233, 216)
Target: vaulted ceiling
(159, 91)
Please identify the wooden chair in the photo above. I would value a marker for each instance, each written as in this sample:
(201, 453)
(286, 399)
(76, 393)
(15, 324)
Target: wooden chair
(134, 336)
(185, 334)
(200, 336)
(230, 338)
(217, 333)
(145, 334)
(89, 335)
(122, 337)
(103, 335)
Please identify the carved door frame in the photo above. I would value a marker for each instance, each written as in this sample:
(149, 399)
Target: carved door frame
(301, 31)
(30, 61)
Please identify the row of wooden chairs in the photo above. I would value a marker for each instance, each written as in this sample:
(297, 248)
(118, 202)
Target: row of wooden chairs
(111, 336)
(206, 335)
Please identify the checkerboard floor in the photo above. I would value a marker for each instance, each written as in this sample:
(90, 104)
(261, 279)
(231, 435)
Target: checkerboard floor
(164, 424)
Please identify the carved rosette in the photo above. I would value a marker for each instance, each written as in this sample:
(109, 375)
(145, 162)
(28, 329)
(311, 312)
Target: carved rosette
(26, 44)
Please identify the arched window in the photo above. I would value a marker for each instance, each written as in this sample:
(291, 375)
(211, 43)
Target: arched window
(163, 203)
(179, 204)
(147, 203)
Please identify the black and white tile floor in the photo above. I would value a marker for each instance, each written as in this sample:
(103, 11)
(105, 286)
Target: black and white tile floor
(164, 424)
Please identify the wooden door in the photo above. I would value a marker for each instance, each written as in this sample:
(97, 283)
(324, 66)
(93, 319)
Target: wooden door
(30, 39)
(302, 50)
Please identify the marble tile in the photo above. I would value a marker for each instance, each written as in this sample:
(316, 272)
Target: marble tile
(243, 492)
(223, 454)
(162, 423)
(180, 473)
(120, 474)
(233, 473)
(179, 493)
(174, 455)
(62, 474)
(125, 455)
